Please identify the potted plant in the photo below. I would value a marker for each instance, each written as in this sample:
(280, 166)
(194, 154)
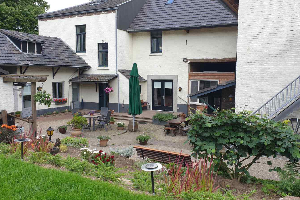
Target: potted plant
(103, 140)
(18, 114)
(163, 118)
(77, 123)
(143, 139)
(62, 129)
(112, 120)
(121, 125)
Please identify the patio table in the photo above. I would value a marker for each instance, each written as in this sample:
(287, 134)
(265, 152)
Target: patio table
(175, 123)
(90, 117)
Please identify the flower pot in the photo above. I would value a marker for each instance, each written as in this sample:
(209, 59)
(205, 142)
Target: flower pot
(103, 143)
(62, 130)
(121, 127)
(143, 143)
(111, 122)
(76, 132)
(18, 115)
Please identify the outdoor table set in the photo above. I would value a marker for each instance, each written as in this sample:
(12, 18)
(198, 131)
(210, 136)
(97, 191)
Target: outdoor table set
(175, 126)
(92, 120)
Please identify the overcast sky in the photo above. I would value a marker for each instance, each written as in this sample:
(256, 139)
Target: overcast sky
(61, 4)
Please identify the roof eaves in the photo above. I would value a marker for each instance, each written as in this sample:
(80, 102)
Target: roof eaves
(212, 89)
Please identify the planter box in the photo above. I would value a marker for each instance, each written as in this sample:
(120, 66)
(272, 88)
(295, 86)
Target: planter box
(157, 122)
(59, 103)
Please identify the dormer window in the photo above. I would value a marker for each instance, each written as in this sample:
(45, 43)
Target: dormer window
(27, 47)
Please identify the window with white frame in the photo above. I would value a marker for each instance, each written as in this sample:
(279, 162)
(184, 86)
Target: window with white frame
(57, 89)
(156, 42)
(80, 38)
(103, 54)
(197, 85)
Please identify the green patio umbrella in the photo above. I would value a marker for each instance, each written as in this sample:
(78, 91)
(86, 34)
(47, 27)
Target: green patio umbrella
(135, 107)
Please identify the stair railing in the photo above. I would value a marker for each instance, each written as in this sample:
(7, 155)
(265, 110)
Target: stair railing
(281, 100)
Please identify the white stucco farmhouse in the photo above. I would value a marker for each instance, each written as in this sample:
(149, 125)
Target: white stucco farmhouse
(185, 51)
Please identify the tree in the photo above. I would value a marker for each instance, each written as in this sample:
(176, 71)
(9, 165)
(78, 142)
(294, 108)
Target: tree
(21, 15)
(238, 138)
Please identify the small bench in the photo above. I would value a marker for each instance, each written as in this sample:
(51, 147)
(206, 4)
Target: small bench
(164, 156)
(170, 130)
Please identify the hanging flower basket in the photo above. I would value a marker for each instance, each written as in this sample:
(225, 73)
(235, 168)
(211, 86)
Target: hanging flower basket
(108, 90)
(59, 101)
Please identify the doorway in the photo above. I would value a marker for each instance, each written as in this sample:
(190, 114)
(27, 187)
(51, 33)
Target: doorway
(103, 97)
(162, 95)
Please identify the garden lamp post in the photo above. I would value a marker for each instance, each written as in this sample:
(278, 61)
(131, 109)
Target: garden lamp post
(151, 167)
(22, 140)
(50, 132)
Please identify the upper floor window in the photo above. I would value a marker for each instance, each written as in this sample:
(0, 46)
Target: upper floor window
(103, 54)
(156, 42)
(27, 47)
(80, 38)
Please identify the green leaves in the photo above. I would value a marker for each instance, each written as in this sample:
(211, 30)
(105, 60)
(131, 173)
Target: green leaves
(244, 138)
(42, 97)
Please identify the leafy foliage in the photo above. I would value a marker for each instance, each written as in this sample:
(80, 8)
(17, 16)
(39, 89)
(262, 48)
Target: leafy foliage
(103, 137)
(77, 142)
(125, 152)
(78, 122)
(163, 117)
(290, 180)
(143, 138)
(7, 134)
(242, 137)
(42, 97)
(103, 158)
(21, 15)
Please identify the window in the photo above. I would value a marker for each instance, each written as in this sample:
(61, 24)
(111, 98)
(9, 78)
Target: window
(197, 85)
(31, 47)
(156, 42)
(103, 54)
(57, 90)
(27, 47)
(80, 38)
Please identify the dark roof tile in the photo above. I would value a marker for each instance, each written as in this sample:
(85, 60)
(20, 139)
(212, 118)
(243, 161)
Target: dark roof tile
(126, 73)
(94, 78)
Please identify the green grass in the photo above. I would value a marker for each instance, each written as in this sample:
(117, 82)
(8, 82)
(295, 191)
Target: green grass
(21, 180)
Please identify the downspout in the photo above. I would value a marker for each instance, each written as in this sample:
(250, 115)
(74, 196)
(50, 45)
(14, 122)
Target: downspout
(117, 61)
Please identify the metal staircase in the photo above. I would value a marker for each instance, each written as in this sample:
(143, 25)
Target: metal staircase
(282, 100)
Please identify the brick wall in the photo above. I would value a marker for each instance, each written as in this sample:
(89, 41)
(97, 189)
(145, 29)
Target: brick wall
(268, 50)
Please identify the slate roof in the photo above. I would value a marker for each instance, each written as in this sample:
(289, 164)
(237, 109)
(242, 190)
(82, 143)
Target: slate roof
(182, 14)
(86, 8)
(3, 72)
(94, 78)
(212, 89)
(126, 73)
(54, 51)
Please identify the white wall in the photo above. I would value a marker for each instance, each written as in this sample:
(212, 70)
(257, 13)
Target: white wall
(6, 96)
(268, 50)
(100, 28)
(63, 75)
(176, 45)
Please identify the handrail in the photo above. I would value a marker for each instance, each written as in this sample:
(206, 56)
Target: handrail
(282, 99)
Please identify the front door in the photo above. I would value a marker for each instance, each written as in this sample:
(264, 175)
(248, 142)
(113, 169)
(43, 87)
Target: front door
(162, 95)
(103, 97)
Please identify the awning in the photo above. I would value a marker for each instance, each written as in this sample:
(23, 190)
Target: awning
(212, 89)
(94, 78)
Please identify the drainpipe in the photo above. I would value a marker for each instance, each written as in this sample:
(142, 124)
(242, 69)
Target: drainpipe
(117, 61)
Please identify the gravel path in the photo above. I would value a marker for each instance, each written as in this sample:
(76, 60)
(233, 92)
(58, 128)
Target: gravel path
(158, 141)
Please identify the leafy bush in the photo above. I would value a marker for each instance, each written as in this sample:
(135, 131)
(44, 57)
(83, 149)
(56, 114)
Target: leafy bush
(102, 157)
(63, 148)
(55, 160)
(143, 138)
(107, 173)
(77, 142)
(78, 166)
(43, 98)
(39, 157)
(103, 137)
(163, 117)
(4, 148)
(7, 133)
(290, 180)
(125, 152)
(120, 124)
(243, 136)
(78, 122)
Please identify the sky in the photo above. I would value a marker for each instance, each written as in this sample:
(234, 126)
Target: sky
(61, 4)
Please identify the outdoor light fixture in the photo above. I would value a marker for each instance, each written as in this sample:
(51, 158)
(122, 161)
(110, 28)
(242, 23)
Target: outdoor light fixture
(50, 132)
(39, 88)
(180, 88)
(185, 60)
(230, 97)
(151, 167)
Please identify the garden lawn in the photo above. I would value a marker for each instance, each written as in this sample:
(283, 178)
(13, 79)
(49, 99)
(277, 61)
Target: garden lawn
(21, 180)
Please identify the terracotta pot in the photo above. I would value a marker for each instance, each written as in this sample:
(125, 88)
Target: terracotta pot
(111, 122)
(121, 128)
(76, 132)
(62, 130)
(103, 143)
(143, 143)
(18, 115)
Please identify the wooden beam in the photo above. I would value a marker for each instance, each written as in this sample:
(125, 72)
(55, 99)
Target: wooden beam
(33, 107)
(24, 78)
(54, 72)
(4, 116)
(212, 60)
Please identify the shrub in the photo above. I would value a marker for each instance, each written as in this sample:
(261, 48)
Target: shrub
(125, 152)
(244, 137)
(143, 138)
(163, 117)
(120, 124)
(102, 157)
(112, 119)
(39, 157)
(290, 180)
(86, 153)
(4, 148)
(78, 166)
(63, 148)
(78, 122)
(7, 133)
(103, 137)
(77, 142)
(55, 160)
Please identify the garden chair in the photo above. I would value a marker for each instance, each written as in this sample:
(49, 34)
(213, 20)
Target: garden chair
(104, 111)
(104, 121)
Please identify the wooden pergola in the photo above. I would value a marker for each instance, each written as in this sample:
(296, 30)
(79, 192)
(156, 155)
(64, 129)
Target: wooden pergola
(33, 79)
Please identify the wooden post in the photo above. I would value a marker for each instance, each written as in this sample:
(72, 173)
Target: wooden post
(4, 116)
(33, 107)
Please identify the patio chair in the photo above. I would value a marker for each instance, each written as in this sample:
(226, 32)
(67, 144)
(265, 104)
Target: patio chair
(104, 111)
(104, 121)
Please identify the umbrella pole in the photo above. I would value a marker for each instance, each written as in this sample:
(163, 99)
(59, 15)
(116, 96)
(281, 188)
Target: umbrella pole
(133, 122)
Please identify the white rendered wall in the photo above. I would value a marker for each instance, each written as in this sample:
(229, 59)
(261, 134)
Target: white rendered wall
(88, 92)
(268, 50)
(100, 28)
(176, 45)
(63, 75)
(6, 96)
